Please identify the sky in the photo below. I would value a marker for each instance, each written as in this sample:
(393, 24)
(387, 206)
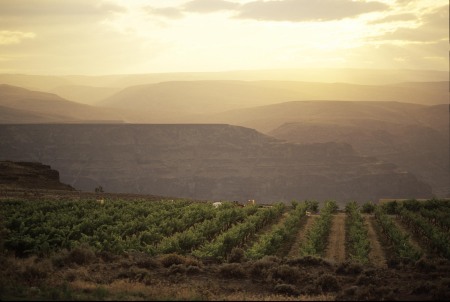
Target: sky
(86, 37)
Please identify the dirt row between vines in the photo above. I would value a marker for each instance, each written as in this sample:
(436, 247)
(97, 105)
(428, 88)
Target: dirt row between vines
(336, 247)
(301, 235)
(336, 241)
(377, 256)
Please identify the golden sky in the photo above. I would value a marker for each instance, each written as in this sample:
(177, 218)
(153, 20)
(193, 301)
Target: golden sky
(57, 37)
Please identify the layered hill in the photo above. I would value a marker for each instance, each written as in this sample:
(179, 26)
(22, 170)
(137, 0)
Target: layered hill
(206, 162)
(30, 175)
(412, 136)
(354, 76)
(20, 105)
(190, 101)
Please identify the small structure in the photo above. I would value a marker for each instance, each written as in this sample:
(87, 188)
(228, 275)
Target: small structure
(251, 202)
(101, 201)
(217, 204)
(308, 213)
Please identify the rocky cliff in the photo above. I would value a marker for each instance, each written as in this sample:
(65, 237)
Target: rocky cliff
(216, 162)
(30, 175)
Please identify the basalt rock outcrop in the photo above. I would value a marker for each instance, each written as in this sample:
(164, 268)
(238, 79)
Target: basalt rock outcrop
(30, 175)
(215, 162)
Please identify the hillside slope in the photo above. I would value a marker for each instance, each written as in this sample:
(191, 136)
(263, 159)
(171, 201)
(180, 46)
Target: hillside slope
(206, 162)
(35, 106)
(184, 101)
(30, 175)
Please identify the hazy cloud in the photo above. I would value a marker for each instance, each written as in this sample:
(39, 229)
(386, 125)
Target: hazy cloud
(208, 6)
(434, 26)
(166, 12)
(32, 8)
(307, 10)
(395, 18)
(14, 37)
(432, 55)
(22, 13)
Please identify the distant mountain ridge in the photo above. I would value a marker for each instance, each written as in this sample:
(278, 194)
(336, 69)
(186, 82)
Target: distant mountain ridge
(187, 101)
(21, 105)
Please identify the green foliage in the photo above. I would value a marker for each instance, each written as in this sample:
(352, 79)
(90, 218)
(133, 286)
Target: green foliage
(81, 229)
(390, 207)
(317, 236)
(312, 205)
(357, 234)
(400, 240)
(368, 207)
(270, 243)
(239, 233)
(436, 239)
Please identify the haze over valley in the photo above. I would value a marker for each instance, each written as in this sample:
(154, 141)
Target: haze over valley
(396, 127)
(262, 103)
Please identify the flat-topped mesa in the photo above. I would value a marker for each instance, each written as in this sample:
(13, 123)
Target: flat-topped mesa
(202, 161)
(30, 175)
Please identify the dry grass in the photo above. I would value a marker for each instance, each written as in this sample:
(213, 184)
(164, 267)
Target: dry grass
(268, 279)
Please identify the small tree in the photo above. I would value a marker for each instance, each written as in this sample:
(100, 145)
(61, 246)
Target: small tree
(368, 207)
(312, 205)
(99, 189)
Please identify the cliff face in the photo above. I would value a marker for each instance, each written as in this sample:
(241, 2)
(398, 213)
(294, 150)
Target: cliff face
(205, 162)
(30, 175)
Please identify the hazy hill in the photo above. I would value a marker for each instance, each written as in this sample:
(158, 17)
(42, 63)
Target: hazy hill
(348, 75)
(355, 76)
(18, 116)
(33, 82)
(181, 101)
(269, 117)
(34, 106)
(413, 136)
(84, 94)
(205, 162)
(172, 102)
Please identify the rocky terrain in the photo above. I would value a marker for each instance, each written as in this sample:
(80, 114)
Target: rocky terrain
(30, 175)
(215, 162)
(415, 137)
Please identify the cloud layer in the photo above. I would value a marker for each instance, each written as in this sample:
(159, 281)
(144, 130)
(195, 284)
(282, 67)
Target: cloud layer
(128, 36)
(307, 10)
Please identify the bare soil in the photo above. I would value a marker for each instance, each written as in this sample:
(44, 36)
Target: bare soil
(336, 241)
(376, 255)
(295, 249)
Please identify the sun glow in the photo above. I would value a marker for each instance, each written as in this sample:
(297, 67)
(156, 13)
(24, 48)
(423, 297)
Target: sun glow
(187, 35)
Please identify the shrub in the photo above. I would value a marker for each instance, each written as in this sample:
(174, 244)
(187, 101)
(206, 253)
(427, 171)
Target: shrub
(134, 273)
(81, 255)
(177, 269)
(33, 270)
(193, 270)
(232, 270)
(261, 267)
(236, 255)
(285, 273)
(328, 283)
(308, 261)
(349, 268)
(286, 289)
(171, 259)
(425, 265)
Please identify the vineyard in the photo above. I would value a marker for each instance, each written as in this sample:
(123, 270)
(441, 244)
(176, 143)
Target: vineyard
(84, 249)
